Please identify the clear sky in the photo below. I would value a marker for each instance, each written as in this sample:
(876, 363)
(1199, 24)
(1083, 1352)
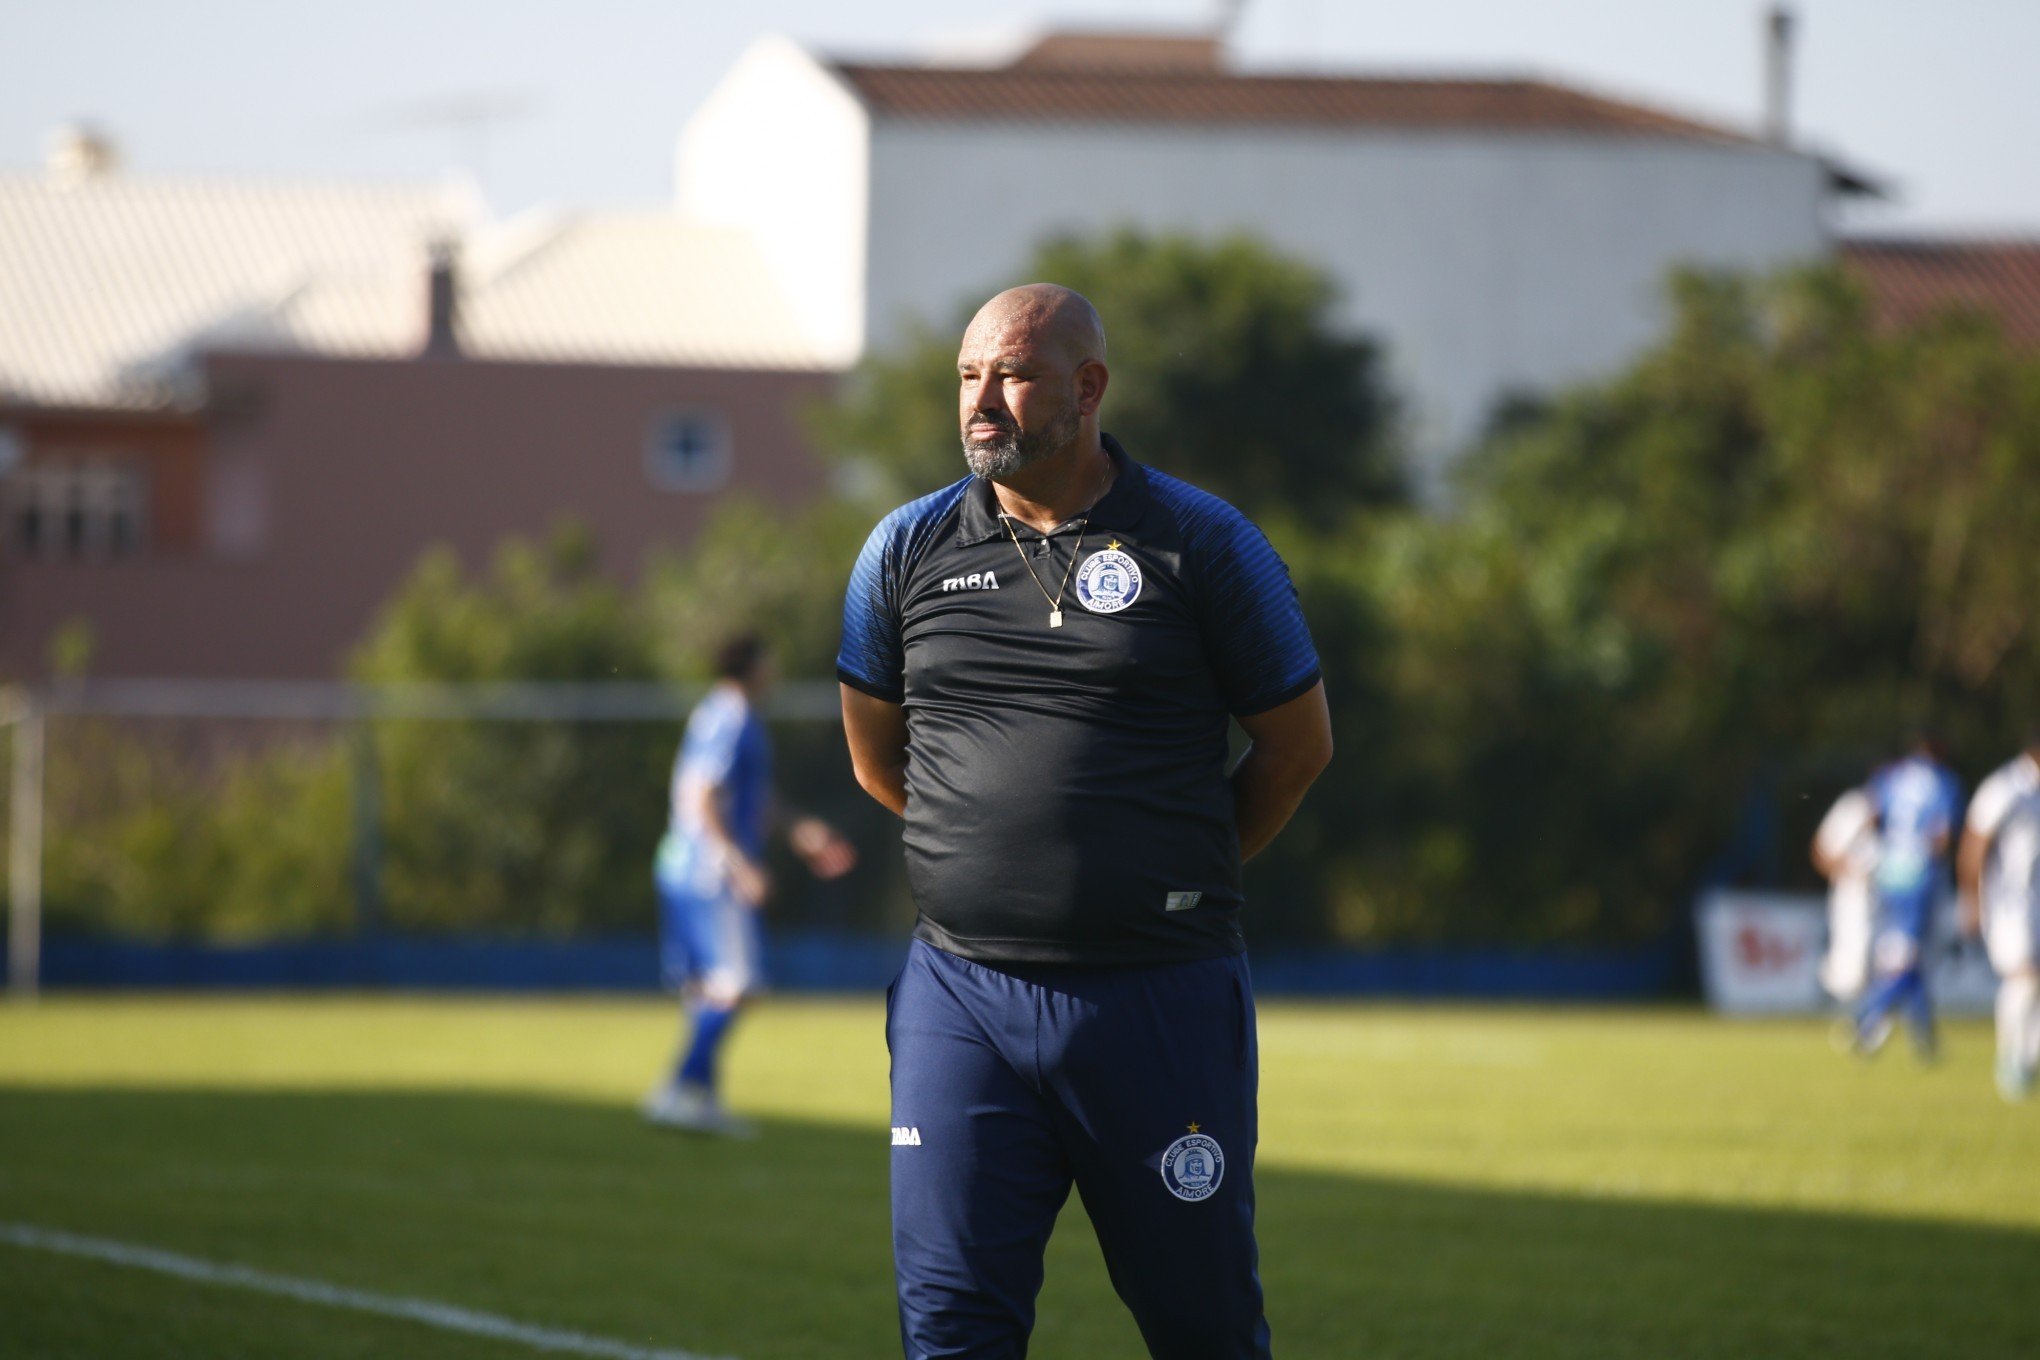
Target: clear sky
(1936, 97)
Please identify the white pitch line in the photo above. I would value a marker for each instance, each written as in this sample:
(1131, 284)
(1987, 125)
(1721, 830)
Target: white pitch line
(446, 1316)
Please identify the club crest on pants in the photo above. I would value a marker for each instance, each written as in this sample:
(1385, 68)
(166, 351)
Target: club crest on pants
(1193, 1166)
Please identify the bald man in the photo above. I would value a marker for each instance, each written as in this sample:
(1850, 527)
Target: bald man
(1039, 665)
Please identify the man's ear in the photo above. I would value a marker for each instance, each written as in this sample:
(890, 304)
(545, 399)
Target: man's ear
(1092, 379)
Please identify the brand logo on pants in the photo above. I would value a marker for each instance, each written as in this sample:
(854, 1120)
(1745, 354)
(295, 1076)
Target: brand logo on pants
(906, 1136)
(1193, 1166)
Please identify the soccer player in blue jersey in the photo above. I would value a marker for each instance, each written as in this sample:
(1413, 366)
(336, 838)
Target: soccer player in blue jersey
(712, 879)
(1039, 665)
(1918, 803)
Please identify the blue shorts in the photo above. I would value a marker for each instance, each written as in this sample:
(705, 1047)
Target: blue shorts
(708, 940)
(1907, 908)
(1136, 1085)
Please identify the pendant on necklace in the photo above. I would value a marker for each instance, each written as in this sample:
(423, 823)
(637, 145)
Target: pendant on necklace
(1055, 618)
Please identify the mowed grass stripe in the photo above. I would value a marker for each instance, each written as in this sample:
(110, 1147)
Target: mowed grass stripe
(1451, 1183)
(1651, 1103)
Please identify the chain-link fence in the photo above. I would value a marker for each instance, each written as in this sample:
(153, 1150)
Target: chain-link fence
(258, 812)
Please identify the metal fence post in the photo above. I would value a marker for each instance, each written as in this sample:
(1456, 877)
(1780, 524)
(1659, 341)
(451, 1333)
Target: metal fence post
(368, 855)
(25, 850)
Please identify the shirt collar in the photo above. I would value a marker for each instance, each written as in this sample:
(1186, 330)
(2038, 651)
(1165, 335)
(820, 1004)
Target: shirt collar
(1120, 508)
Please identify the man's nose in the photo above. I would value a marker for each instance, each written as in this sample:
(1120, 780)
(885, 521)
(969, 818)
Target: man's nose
(986, 396)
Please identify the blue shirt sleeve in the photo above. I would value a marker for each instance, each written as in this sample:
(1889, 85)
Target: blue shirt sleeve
(871, 658)
(1259, 645)
(873, 655)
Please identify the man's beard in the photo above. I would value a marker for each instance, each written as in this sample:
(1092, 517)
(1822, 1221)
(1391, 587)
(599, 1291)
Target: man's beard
(1013, 449)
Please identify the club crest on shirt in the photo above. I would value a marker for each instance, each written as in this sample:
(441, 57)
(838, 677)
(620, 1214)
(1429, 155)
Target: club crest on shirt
(1108, 581)
(1193, 1166)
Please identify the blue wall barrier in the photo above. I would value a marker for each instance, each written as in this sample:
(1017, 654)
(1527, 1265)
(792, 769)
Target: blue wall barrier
(820, 961)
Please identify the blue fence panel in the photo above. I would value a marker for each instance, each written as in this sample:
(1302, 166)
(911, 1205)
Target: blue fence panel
(817, 961)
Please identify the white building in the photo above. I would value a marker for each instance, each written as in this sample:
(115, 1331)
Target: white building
(1500, 236)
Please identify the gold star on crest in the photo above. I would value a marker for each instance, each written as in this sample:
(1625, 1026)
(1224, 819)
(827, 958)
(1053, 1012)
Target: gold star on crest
(1195, 1126)
(1112, 546)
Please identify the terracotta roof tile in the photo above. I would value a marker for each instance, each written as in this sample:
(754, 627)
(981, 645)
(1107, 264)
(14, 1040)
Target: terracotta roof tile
(1145, 51)
(1910, 281)
(1083, 94)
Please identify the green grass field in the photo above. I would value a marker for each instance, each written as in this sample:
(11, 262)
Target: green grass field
(1434, 1183)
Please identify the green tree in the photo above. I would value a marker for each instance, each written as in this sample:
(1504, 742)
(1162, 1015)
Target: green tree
(161, 828)
(757, 568)
(185, 831)
(1228, 369)
(517, 826)
(1754, 561)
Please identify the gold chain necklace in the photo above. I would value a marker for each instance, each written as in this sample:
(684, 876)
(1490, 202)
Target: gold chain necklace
(1055, 600)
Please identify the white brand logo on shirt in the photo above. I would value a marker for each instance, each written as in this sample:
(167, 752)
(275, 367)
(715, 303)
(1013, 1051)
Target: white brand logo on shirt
(977, 580)
(908, 1135)
(1108, 581)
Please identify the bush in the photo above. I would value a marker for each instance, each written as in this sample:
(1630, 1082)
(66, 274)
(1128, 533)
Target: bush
(517, 826)
(156, 832)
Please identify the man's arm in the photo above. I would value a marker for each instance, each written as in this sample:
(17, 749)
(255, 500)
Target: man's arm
(747, 876)
(1826, 865)
(1979, 829)
(877, 732)
(1969, 879)
(1292, 744)
(1831, 840)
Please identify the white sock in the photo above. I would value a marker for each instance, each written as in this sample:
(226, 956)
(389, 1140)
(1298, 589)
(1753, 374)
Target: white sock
(2029, 1049)
(2011, 1014)
(2018, 1018)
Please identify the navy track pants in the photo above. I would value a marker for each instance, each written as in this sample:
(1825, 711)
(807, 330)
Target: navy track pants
(1135, 1084)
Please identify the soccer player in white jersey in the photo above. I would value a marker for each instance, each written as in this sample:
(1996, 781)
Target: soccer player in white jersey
(1845, 850)
(1998, 869)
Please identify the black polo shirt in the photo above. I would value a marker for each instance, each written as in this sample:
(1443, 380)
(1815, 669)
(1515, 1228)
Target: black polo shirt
(1066, 786)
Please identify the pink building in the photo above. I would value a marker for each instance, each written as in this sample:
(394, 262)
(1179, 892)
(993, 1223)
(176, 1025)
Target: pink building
(256, 536)
(233, 416)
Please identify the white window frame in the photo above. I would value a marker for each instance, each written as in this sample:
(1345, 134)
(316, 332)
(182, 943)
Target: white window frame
(91, 497)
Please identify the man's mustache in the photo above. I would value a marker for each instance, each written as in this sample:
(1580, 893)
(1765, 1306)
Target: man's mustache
(1004, 424)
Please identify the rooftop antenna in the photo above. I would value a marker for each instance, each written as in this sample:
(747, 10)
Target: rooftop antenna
(471, 119)
(1304, 16)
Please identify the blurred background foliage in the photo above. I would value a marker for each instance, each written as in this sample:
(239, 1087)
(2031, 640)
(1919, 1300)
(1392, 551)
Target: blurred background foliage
(1662, 620)
(516, 826)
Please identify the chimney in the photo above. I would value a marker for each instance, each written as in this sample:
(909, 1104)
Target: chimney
(1148, 53)
(442, 302)
(79, 153)
(1778, 76)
